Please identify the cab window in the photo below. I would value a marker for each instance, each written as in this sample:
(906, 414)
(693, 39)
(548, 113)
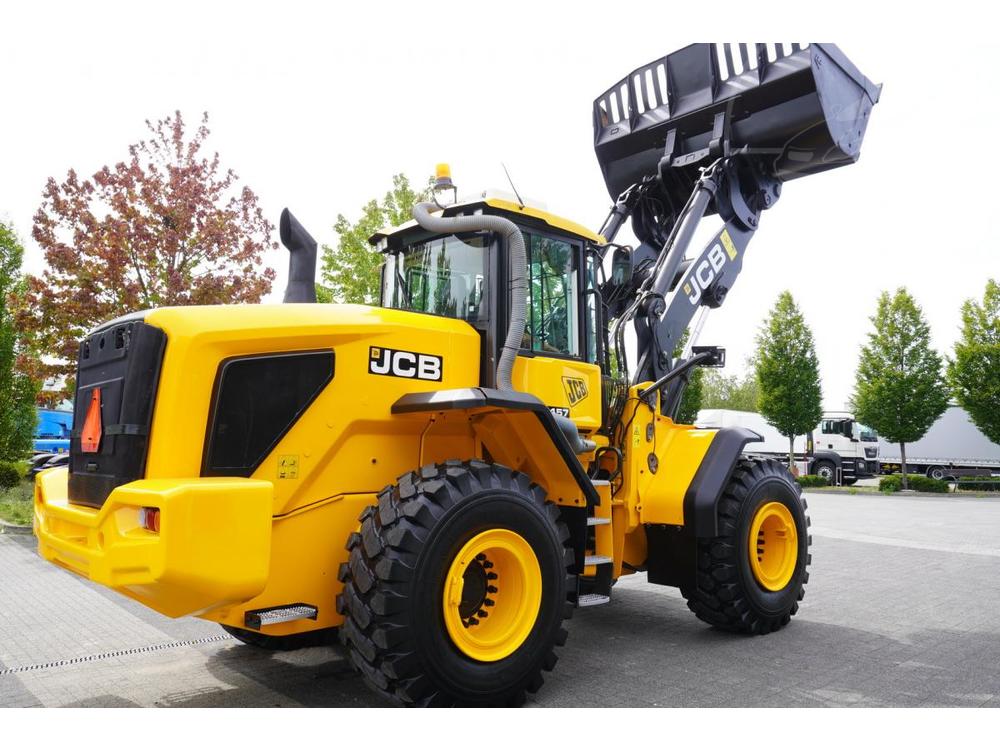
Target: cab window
(553, 325)
(442, 276)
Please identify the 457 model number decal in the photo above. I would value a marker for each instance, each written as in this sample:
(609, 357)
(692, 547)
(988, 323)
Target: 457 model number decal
(403, 364)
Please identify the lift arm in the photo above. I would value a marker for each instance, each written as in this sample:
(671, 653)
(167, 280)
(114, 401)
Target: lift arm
(759, 116)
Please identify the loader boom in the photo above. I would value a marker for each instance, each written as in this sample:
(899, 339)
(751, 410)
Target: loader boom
(730, 124)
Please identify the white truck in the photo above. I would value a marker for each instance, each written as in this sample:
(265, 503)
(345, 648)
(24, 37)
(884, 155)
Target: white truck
(953, 447)
(840, 449)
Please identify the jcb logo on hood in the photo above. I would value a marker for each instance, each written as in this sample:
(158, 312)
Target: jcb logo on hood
(705, 272)
(576, 390)
(403, 364)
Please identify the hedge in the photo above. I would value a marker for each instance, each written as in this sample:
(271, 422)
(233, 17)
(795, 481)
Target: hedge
(984, 484)
(10, 475)
(811, 480)
(918, 482)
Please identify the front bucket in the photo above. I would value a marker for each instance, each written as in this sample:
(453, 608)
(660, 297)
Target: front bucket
(800, 109)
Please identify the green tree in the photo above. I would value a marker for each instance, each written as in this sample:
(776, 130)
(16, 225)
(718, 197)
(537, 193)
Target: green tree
(17, 388)
(350, 271)
(790, 396)
(974, 373)
(738, 392)
(687, 413)
(900, 388)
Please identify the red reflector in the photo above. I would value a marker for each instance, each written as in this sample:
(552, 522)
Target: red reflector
(149, 519)
(90, 435)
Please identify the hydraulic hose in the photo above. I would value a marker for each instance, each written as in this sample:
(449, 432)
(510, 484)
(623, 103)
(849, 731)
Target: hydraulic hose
(518, 274)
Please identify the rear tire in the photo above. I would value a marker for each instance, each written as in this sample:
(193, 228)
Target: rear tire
(281, 642)
(728, 591)
(401, 586)
(939, 473)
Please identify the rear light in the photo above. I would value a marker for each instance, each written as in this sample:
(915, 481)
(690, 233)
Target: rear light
(149, 519)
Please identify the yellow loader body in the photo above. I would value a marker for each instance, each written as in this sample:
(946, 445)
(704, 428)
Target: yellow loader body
(228, 545)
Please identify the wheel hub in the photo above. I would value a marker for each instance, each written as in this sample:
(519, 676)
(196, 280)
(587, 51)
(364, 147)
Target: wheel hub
(773, 546)
(492, 595)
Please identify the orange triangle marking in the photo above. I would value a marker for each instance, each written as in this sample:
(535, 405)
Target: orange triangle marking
(90, 436)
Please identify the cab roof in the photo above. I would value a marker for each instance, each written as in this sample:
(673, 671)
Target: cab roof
(497, 202)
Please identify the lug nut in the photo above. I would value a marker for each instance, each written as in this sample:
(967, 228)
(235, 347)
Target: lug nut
(491, 590)
(483, 613)
(488, 602)
(491, 576)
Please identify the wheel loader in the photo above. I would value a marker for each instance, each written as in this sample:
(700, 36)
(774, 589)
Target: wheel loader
(441, 480)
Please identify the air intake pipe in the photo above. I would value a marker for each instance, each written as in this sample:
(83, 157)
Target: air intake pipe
(301, 259)
(518, 273)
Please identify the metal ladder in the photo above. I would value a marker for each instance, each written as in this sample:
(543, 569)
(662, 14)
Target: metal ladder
(599, 560)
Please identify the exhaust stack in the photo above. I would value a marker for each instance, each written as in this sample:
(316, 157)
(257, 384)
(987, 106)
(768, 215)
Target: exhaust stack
(301, 259)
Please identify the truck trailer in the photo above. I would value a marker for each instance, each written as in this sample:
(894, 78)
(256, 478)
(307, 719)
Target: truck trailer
(953, 447)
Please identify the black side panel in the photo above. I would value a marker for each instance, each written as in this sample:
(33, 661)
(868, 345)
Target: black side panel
(256, 401)
(702, 498)
(672, 556)
(123, 360)
(471, 398)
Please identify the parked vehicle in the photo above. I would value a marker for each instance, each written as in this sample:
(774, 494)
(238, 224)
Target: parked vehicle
(953, 447)
(445, 477)
(53, 431)
(46, 461)
(840, 449)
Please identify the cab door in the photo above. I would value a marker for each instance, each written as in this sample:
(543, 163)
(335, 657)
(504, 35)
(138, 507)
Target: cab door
(558, 361)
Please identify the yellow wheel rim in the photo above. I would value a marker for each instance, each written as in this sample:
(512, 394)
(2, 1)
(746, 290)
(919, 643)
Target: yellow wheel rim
(773, 546)
(492, 594)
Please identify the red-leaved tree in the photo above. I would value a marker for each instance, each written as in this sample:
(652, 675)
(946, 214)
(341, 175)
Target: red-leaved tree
(169, 226)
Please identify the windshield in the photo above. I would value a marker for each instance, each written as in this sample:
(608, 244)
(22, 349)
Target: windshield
(868, 435)
(443, 276)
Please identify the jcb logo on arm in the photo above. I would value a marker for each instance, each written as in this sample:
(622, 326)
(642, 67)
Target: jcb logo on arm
(705, 272)
(403, 364)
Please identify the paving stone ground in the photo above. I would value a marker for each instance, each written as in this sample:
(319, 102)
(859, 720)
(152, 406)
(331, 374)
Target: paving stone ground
(901, 610)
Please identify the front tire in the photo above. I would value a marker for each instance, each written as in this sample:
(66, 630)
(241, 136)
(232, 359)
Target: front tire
(456, 587)
(826, 470)
(751, 577)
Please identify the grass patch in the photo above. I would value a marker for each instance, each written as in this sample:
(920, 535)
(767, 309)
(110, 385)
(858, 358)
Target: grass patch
(17, 504)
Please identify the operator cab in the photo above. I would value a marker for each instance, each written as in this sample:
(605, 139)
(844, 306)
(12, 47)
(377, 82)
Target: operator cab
(466, 276)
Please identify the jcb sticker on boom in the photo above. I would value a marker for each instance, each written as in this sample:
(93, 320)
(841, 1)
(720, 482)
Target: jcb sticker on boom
(705, 272)
(576, 390)
(403, 364)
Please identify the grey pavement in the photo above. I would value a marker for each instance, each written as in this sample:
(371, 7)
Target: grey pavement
(901, 610)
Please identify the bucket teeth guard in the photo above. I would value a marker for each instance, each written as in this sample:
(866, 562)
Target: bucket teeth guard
(797, 109)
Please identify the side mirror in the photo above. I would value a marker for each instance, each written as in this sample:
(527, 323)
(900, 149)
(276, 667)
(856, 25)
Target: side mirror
(621, 267)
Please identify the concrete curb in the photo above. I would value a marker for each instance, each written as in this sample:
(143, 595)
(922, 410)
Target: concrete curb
(905, 494)
(13, 528)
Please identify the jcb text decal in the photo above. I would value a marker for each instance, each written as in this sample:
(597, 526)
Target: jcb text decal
(403, 364)
(705, 272)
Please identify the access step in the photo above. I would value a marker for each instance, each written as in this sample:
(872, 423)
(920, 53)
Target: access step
(259, 618)
(592, 600)
(595, 521)
(596, 560)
